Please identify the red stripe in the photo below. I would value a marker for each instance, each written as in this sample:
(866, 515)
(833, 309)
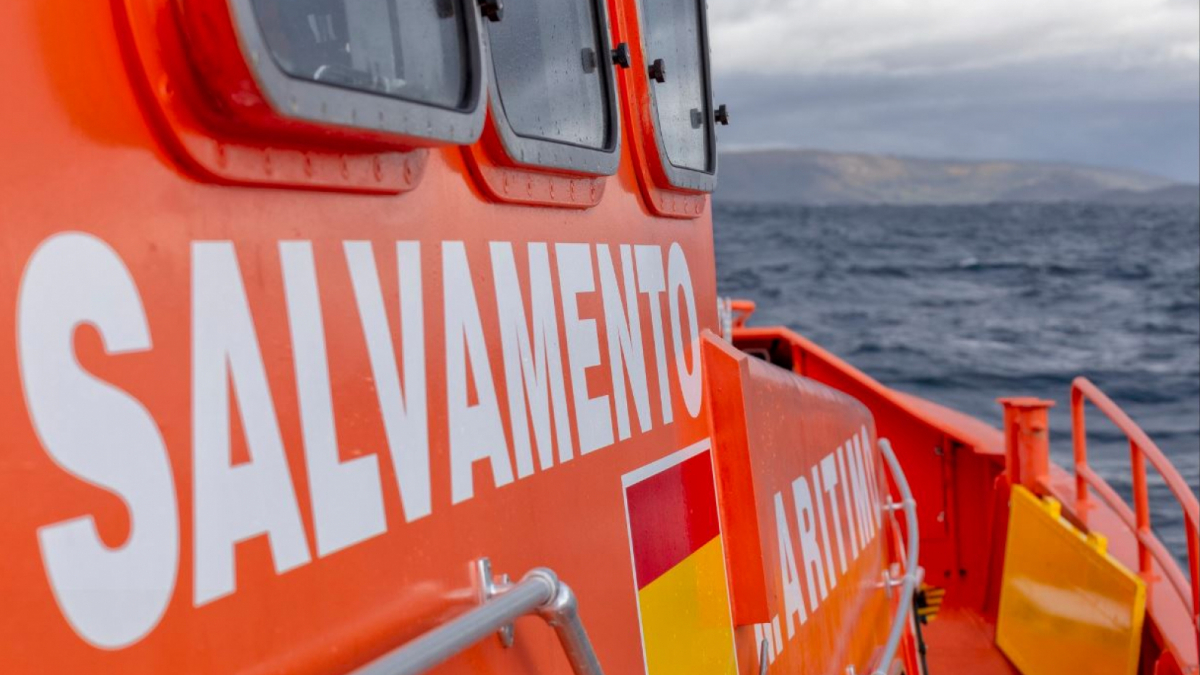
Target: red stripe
(671, 515)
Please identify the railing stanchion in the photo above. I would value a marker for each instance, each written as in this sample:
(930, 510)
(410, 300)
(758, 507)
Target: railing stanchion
(1138, 519)
(1141, 507)
(1079, 445)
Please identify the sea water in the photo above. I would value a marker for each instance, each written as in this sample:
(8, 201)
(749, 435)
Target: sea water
(962, 305)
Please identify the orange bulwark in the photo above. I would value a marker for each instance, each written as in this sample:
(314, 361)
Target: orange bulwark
(679, 564)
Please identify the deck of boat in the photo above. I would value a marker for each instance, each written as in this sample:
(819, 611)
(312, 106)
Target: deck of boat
(960, 640)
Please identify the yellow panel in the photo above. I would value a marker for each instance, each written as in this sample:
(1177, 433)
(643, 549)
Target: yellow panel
(1065, 605)
(686, 622)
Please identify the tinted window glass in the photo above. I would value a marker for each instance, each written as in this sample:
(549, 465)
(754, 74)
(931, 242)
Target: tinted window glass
(549, 62)
(409, 49)
(672, 29)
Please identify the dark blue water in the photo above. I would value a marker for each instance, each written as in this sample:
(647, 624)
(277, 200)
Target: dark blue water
(961, 305)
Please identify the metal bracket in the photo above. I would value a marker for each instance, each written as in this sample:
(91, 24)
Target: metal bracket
(910, 578)
(491, 586)
(539, 592)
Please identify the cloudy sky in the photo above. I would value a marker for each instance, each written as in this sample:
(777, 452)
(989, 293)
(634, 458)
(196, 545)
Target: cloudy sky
(1103, 82)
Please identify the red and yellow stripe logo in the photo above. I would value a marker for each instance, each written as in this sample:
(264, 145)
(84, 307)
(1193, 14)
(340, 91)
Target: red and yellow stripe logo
(679, 565)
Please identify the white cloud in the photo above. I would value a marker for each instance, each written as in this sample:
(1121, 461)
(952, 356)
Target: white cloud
(1111, 82)
(923, 36)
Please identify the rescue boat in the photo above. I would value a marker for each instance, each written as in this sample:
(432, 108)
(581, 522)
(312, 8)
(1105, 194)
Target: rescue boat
(380, 337)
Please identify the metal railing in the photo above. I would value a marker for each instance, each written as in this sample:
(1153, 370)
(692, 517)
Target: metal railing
(539, 592)
(911, 577)
(1141, 450)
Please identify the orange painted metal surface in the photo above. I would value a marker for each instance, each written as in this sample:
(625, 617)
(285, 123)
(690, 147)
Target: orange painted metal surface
(962, 641)
(196, 250)
(801, 501)
(270, 389)
(1027, 441)
(958, 462)
(202, 136)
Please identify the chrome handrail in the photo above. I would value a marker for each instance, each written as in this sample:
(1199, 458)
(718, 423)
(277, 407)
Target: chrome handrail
(539, 592)
(912, 571)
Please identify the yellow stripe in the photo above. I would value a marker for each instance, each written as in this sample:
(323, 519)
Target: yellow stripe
(686, 622)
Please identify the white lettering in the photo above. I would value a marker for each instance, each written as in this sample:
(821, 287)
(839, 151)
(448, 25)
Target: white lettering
(624, 327)
(476, 432)
(651, 282)
(112, 597)
(829, 479)
(825, 545)
(593, 416)
(234, 503)
(679, 280)
(405, 422)
(537, 372)
(871, 473)
(845, 483)
(813, 567)
(347, 498)
(793, 601)
(862, 507)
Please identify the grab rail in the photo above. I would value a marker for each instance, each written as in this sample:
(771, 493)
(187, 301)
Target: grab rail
(912, 571)
(1141, 448)
(540, 592)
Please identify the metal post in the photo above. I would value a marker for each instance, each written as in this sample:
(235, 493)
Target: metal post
(1079, 446)
(1027, 441)
(1141, 507)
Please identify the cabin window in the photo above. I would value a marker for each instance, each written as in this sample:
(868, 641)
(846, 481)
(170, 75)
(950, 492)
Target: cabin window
(675, 40)
(415, 51)
(554, 83)
(408, 73)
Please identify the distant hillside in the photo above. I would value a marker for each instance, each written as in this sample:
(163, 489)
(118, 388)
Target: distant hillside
(1178, 195)
(818, 177)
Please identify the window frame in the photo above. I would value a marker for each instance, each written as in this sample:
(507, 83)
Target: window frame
(561, 155)
(680, 177)
(308, 101)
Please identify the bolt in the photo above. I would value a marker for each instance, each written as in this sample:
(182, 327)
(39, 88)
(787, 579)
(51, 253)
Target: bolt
(658, 71)
(722, 115)
(620, 55)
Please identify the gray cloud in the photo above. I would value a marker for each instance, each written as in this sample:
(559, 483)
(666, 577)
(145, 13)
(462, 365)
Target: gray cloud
(1108, 82)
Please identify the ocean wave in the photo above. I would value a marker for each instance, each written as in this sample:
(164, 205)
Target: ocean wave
(964, 304)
